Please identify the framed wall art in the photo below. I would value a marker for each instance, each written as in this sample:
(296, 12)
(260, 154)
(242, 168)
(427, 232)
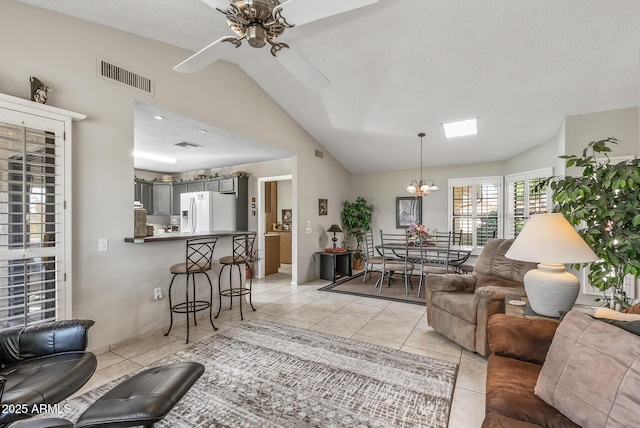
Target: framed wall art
(408, 211)
(322, 207)
(286, 217)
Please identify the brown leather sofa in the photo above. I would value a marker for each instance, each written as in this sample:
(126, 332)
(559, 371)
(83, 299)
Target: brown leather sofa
(519, 347)
(459, 306)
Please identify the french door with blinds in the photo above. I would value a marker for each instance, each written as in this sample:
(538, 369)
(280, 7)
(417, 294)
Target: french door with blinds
(33, 245)
(475, 209)
(525, 197)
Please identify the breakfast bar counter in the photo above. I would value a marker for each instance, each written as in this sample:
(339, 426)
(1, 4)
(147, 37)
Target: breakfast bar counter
(182, 236)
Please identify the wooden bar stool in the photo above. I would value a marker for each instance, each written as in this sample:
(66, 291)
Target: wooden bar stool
(199, 252)
(242, 254)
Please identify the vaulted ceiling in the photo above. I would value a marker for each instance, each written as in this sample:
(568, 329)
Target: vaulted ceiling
(399, 67)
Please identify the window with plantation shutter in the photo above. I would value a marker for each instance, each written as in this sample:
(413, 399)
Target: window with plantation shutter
(34, 238)
(475, 209)
(524, 197)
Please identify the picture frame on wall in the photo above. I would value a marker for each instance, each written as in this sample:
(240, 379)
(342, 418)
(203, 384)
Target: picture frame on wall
(408, 211)
(322, 207)
(286, 217)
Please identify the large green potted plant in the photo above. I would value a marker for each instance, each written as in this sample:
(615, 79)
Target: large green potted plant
(356, 219)
(604, 202)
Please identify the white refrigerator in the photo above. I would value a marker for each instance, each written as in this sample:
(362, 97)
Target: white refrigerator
(207, 211)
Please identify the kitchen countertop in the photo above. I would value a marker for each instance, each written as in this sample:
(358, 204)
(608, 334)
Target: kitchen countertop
(181, 236)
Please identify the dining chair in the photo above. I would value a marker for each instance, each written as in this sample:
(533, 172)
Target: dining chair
(371, 259)
(395, 260)
(435, 256)
(456, 238)
(199, 252)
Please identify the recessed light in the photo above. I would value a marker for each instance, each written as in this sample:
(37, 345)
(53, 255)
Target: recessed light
(461, 128)
(151, 156)
(203, 131)
(158, 117)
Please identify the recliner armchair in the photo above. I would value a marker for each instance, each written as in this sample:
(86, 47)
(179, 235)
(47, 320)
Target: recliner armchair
(43, 364)
(459, 306)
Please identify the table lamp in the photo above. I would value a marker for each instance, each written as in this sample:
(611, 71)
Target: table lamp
(334, 228)
(551, 241)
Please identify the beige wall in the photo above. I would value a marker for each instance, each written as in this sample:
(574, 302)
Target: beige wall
(622, 124)
(542, 156)
(115, 287)
(381, 189)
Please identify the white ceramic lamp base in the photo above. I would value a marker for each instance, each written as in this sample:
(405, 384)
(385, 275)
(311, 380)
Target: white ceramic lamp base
(551, 290)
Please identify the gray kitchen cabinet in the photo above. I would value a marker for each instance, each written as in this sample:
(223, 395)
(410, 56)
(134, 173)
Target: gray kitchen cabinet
(241, 185)
(162, 198)
(177, 190)
(212, 186)
(143, 192)
(227, 185)
(195, 186)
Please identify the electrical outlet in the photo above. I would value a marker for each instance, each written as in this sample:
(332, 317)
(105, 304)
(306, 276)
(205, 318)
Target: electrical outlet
(157, 293)
(103, 244)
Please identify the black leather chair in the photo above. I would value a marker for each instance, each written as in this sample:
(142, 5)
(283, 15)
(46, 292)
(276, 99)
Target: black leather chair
(42, 364)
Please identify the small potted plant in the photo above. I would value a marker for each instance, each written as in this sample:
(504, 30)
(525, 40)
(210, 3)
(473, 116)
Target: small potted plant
(356, 219)
(605, 203)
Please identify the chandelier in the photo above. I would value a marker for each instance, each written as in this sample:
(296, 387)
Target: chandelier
(421, 187)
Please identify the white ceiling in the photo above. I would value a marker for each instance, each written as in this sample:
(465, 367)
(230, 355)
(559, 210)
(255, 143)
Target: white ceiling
(399, 67)
(217, 149)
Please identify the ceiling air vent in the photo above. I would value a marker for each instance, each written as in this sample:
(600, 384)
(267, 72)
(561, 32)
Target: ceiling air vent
(187, 145)
(319, 154)
(115, 73)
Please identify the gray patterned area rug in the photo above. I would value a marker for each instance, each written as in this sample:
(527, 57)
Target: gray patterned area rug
(264, 374)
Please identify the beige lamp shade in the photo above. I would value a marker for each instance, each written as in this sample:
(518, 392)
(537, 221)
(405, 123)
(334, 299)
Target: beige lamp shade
(550, 238)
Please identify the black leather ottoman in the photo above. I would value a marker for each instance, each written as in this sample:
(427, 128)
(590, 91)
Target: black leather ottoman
(143, 399)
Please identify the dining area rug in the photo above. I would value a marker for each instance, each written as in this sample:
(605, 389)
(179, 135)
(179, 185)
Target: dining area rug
(354, 285)
(265, 374)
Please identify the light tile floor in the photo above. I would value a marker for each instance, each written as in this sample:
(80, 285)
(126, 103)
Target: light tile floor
(395, 325)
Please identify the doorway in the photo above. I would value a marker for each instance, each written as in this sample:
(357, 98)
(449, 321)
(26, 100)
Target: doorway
(276, 232)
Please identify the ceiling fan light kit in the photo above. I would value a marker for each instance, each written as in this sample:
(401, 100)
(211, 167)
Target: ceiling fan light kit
(256, 22)
(261, 22)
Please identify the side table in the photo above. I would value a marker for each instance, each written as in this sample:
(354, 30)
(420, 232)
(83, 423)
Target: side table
(523, 311)
(334, 266)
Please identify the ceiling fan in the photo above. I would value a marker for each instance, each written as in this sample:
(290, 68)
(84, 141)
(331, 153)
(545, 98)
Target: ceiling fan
(261, 22)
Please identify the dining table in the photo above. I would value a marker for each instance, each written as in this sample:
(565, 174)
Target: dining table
(453, 255)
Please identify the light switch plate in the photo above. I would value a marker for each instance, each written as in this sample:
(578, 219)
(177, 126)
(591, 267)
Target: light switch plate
(103, 244)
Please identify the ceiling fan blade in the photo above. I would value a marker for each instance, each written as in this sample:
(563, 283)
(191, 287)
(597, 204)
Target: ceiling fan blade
(204, 57)
(299, 12)
(217, 4)
(302, 69)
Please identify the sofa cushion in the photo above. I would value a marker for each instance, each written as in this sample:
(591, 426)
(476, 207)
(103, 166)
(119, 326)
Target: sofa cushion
(635, 309)
(524, 339)
(510, 386)
(606, 313)
(592, 372)
(494, 420)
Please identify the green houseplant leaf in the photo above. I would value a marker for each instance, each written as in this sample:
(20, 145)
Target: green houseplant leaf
(356, 219)
(604, 202)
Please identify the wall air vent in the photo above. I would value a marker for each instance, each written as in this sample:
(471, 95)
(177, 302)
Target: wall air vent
(319, 154)
(187, 145)
(109, 71)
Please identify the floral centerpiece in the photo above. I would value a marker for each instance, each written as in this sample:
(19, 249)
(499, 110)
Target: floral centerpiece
(418, 232)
